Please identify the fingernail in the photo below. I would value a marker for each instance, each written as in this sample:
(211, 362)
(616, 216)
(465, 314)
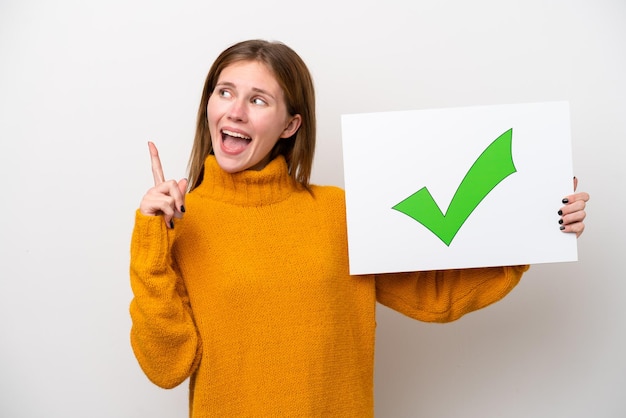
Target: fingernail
(562, 228)
(172, 224)
(560, 212)
(566, 200)
(182, 208)
(560, 221)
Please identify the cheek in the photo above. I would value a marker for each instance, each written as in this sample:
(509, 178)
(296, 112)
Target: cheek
(269, 134)
(211, 117)
(210, 110)
(273, 127)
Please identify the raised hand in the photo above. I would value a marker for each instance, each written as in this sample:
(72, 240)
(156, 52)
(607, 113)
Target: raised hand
(573, 213)
(166, 198)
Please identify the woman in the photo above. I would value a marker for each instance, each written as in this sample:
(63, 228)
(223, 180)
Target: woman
(249, 293)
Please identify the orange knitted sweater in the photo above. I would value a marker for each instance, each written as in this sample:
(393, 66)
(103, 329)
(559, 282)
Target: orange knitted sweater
(250, 297)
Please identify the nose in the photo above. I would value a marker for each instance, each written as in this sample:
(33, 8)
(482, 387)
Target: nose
(237, 110)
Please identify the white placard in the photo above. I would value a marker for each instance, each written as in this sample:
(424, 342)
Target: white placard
(505, 168)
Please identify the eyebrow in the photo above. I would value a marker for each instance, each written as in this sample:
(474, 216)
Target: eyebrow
(254, 89)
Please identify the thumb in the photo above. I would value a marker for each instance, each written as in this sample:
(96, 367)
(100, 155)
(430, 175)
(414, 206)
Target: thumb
(182, 186)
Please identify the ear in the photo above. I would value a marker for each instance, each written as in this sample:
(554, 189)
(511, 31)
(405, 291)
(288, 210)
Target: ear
(292, 126)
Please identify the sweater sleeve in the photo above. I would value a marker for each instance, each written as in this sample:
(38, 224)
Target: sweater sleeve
(446, 295)
(163, 336)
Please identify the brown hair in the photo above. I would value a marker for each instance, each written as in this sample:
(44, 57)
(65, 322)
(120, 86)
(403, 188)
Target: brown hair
(293, 77)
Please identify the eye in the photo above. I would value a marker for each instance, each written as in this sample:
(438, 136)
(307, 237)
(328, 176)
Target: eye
(259, 101)
(224, 93)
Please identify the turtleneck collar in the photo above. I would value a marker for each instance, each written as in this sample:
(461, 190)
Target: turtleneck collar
(270, 185)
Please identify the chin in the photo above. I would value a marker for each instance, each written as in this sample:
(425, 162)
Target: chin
(231, 164)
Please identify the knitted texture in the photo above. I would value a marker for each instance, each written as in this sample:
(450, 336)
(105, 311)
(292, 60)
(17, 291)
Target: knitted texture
(250, 296)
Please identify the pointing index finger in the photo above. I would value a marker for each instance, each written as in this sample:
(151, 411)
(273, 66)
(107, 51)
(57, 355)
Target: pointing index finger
(157, 169)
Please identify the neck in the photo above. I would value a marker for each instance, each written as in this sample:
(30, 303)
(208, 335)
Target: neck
(270, 185)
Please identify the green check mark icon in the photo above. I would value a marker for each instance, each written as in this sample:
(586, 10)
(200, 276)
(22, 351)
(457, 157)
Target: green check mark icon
(492, 166)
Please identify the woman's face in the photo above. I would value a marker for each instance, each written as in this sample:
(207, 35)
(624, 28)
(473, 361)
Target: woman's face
(247, 115)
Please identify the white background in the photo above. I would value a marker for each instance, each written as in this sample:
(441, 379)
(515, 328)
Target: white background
(84, 85)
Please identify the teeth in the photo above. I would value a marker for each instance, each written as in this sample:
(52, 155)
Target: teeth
(235, 134)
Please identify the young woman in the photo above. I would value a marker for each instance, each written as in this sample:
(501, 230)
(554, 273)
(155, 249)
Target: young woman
(248, 294)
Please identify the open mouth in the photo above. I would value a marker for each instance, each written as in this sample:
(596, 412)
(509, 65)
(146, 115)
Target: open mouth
(234, 142)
